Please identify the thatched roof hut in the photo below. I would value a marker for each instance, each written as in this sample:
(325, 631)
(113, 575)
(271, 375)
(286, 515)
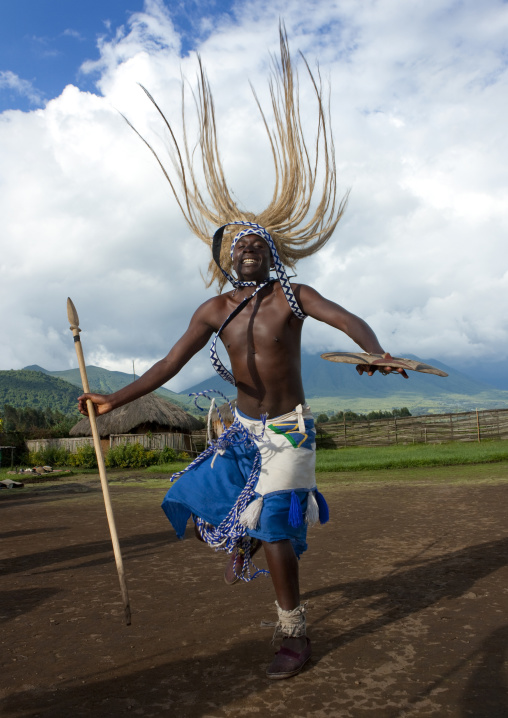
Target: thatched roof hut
(227, 418)
(149, 413)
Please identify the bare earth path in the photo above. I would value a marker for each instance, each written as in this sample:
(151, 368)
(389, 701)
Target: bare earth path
(407, 591)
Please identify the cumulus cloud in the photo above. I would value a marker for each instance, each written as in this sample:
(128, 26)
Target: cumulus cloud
(418, 104)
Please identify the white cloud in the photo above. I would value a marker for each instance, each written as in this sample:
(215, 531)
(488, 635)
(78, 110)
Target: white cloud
(419, 97)
(10, 81)
(69, 32)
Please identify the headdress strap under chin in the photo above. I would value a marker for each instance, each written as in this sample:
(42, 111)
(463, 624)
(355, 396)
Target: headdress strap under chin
(282, 277)
(253, 228)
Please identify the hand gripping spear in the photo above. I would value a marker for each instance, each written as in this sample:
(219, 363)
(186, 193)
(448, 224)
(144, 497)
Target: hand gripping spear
(74, 322)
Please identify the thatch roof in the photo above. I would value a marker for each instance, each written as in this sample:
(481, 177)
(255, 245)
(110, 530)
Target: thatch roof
(225, 412)
(150, 412)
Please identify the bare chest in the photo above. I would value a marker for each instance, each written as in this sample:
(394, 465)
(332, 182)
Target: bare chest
(266, 324)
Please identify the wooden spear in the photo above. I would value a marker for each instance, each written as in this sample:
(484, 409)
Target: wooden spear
(74, 322)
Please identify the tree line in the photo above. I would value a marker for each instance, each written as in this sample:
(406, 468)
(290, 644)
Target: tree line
(25, 388)
(351, 416)
(35, 423)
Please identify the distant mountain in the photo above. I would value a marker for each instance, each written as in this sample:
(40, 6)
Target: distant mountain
(104, 381)
(330, 386)
(21, 388)
(491, 372)
(213, 382)
(325, 378)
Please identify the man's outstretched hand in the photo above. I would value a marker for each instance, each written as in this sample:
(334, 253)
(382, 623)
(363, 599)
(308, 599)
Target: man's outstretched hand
(101, 403)
(371, 369)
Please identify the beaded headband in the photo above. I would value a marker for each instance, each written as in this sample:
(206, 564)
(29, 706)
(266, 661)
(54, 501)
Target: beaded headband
(253, 228)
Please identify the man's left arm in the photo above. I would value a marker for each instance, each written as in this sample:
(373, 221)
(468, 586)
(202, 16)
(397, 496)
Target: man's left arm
(316, 306)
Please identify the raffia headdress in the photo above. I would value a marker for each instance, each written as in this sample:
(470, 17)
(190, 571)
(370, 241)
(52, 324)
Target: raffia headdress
(296, 229)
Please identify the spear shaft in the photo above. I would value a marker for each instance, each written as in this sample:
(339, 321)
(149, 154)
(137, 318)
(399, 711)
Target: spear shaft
(74, 322)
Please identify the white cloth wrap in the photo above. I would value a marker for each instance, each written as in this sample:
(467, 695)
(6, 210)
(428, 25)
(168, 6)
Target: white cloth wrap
(291, 624)
(283, 467)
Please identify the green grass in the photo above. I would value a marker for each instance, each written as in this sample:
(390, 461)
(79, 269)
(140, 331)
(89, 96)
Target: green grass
(453, 462)
(171, 468)
(399, 457)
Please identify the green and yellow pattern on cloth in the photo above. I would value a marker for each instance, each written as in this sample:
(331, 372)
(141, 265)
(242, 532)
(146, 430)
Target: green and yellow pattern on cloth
(291, 430)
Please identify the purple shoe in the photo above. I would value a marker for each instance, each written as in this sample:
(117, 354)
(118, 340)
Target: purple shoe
(287, 662)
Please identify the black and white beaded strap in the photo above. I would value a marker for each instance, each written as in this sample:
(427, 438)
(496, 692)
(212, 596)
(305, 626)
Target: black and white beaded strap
(251, 228)
(214, 357)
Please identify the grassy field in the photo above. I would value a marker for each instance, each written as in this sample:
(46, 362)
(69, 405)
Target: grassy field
(399, 457)
(452, 461)
(360, 458)
(424, 404)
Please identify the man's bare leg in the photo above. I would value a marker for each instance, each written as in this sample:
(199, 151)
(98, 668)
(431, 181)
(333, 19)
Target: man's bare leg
(283, 566)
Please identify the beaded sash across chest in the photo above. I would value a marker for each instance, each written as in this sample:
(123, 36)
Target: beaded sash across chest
(251, 228)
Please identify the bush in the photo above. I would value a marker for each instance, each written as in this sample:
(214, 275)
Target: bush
(131, 456)
(125, 456)
(51, 456)
(167, 455)
(84, 457)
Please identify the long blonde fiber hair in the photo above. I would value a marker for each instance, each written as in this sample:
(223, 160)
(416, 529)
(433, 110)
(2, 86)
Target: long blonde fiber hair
(296, 231)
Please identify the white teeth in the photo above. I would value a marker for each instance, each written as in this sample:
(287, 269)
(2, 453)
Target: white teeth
(249, 261)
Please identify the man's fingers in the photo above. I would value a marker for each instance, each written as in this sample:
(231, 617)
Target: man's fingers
(83, 409)
(384, 370)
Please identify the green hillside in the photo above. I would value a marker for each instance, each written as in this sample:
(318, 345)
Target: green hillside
(104, 381)
(21, 388)
(329, 388)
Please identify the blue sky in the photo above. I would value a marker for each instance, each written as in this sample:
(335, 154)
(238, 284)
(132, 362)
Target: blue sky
(43, 43)
(419, 100)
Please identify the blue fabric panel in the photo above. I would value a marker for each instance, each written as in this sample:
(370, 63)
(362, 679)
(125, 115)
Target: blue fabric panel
(178, 514)
(210, 493)
(274, 520)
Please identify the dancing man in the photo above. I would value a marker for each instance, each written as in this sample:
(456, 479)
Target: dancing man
(255, 486)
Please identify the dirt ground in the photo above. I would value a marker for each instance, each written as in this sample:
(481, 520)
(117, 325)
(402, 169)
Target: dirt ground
(407, 591)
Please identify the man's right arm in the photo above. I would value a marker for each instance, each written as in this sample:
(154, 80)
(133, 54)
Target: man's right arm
(195, 338)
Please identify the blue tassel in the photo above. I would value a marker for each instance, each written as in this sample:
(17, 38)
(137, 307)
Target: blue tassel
(295, 518)
(324, 513)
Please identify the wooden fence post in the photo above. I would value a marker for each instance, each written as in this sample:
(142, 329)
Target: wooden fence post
(478, 425)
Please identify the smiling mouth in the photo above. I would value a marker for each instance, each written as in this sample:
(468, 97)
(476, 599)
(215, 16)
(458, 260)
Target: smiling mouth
(249, 261)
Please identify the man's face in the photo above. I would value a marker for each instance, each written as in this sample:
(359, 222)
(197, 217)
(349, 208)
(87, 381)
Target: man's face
(252, 258)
